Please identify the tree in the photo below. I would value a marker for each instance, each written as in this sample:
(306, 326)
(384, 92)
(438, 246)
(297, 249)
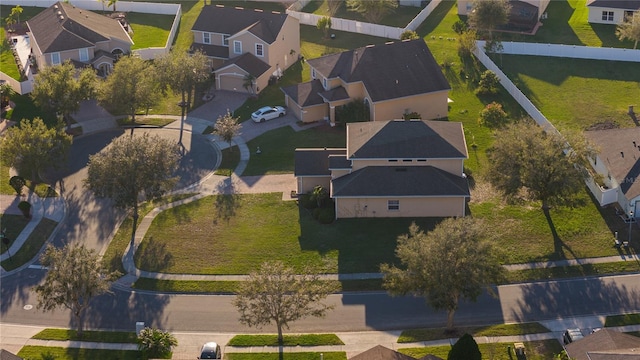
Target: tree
(489, 83)
(492, 116)
(60, 88)
(249, 83)
(466, 348)
(467, 44)
(453, 261)
(74, 277)
(155, 343)
(320, 194)
(630, 29)
(17, 183)
(227, 127)
(16, 11)
(324, 24)
(460, 27)
(6, 91)
(131, 169)
(372, 10)
(181, 72)
(524, 157)
(333, 6)
(112, 3)
(487, 15)
(409, 35)
(276, 294)
(132, 85)
(32, 147)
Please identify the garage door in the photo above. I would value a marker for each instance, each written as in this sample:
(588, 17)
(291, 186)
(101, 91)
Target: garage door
(231, 82)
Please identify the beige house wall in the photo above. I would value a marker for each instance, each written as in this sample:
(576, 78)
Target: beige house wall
(307, 183)
(430, 106)
(409, 207)
(249, 42)
(453, 166)
(284, 51)
(216, 38)
(595, 15)
(309, 114)
(232, 78)
(339, 172)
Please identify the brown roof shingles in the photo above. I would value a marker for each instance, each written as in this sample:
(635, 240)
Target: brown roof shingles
(616, 4)
(249, 63)
(231, 20)
(305, 94)
(314, 162)
(610, 344)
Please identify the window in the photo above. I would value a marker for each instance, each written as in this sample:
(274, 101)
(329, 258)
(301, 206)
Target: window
(325, 83)
(393, 205)
(259, 50)
(55, 58)
(407, 160)
(607, 16)
(225, 40)
(206, 38)
(393, 160)
(84, 54)
(237, 47)
(313, 73)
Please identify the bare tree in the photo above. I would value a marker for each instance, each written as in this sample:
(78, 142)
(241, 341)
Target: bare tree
(227, 127)
(74, 277)
(277, 294)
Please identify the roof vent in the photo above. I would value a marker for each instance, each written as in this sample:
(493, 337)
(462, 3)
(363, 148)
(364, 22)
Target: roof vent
(61, 17)
(622, 153)
(55, 6)
(258, 10)
(59, 12)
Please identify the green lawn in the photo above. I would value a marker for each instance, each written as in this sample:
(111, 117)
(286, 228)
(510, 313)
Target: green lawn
(32, 245)
(234, 234)
(230, 160)
(286, 356)
(149, 30)
(87, 335)
(399, 17)
(622, 320)
(288, 340)
(48, 352)
(13, 224)
(535, 350)
(416, 335)
(278, 147)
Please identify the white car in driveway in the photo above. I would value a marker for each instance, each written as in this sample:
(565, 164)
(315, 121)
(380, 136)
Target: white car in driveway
(267, 113)
(210, 350)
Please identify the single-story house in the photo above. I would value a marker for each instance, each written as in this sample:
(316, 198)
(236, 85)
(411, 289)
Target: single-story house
(611, 11)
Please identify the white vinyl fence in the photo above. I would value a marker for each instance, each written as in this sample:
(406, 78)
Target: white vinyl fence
(570, 51)
(423, 15)
(353, 26)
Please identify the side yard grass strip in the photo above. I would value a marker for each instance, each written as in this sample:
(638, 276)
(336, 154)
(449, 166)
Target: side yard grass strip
(32, 246)
(535, 350)
(60, 353)
(288, 340)
(93, 336)
(416, 335)
(622, 320)
(338, 355)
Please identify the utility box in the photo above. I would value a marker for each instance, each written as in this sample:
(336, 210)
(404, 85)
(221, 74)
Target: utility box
(139, 327)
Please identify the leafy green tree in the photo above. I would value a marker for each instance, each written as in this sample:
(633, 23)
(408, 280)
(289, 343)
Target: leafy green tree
(132, 169)
(372, 10)
(60, 88)
(155, 343)
(32, 147)
(181, 72)
(465, 348)
(227, 127)
(74, 277)
(112, 3)
(249, 83)
(16, 11)
(276, 294)
(524, 157)
(489, 83)
(467, 44)
(17, 183)
(324, 25)
(132, 85)
(492, 116)
(409, 35)
(487, 15)
(453, 261)
(630, 29)
(459, 27)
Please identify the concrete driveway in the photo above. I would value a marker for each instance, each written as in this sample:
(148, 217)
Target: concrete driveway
(218, 106)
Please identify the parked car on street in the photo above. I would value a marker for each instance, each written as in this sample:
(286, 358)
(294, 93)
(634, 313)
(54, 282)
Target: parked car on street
(571, 335)
(267, 113)
(210, 350)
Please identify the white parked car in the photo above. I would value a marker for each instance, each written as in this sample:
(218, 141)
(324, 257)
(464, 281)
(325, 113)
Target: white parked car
(210, 350)
(267, 113)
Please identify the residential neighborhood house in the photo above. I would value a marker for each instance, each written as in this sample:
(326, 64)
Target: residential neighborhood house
(525, 15)
(619, 168)
(391, 169)
(246, 47)
(611, 11)
(392, 79)
(64, 32)
(605, 344)
(382, 353)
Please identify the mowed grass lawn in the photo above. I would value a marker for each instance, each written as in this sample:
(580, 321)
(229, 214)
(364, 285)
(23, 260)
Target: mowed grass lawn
(535, 350)
(234, 234)
(149, 30)
(398, 17)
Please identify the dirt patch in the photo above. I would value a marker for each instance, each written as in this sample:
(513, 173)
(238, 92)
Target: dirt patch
(604, 125)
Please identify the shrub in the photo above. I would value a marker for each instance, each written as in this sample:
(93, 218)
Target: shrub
(465, 348)
(493, 116)
(459, 27)
(155, 342)
(306, 201)
(411, 115)
(488, 84)
(326, 215)
(467, 44)
(354, 111)
(409, 35)
(25, 207)
(17, 183)
(316, 213)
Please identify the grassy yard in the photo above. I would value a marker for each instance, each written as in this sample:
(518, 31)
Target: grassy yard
(32, 245)
(416, 335)
(87, 335)
(399, 17)
(234, 234)
(622, 320)
(230, 160)
(13, 225)
(286, 356)
(535, 350)
(149, 30)
(59, 353)
(288, 340)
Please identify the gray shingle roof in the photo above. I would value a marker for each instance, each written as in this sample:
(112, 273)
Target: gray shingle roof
(616, 4)
(77, 29)
(305, 94)
(314, 162)
(217, 51)
(230, 20)
(339, 161)
(381, 353)
(406, 140)
(389, 71)
(249, 63)
(613, 143)
(399, 181)
(615, 345)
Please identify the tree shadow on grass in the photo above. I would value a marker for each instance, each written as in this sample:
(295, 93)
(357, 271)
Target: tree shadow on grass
(154, 256)
(226, 204)
(558, 244)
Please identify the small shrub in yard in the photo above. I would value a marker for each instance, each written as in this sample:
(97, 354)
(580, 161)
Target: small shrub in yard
(17, 183)
(411, 116)
(489, 83)
(465, 348)
(307, 202)
(326, 215)
(155, 342)
(25, 207)
(492, 116)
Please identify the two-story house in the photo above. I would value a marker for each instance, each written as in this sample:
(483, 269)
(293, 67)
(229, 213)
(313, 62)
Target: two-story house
(611, 11)
(246, 44)
(64, 32)
(391, 169)
(392, 79)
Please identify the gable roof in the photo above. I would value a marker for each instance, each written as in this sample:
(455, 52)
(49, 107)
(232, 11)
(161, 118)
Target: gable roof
(314, 162)
(605, 344)
(620, 150)
(381, 353)
(63, 27)
(400, 181)
(393, 70)
(247, 62)
(231, 20)
(6, 355)
(305, 94)
(616, 4)
(406, 140)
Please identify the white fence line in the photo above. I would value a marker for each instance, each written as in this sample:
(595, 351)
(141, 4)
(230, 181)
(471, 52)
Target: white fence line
(353, 26)
(422, 16)
(93, 5)
(570, 51)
